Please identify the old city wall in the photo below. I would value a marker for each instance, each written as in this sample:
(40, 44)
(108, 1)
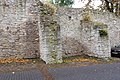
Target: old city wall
(18, 31)
(81, 37)
(32, 30)
(113, 23)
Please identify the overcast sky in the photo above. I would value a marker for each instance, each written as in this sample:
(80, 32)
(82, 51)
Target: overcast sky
(77, 3)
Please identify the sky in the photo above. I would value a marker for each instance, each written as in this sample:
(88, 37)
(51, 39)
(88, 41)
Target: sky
(77, 3)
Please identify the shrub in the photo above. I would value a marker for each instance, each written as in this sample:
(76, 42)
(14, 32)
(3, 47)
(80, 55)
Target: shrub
(103, 33)
(49, 9)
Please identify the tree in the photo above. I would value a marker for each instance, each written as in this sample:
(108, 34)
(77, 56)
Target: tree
(67, 3)
(113, 6)
(110, 5)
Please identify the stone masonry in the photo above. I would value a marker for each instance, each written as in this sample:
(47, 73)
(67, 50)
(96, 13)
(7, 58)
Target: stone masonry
(19, 36)
(81, 37)
(31, 29)
(50, 46)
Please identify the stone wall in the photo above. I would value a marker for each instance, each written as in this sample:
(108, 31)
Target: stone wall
(113, 23)
(32, 29)
(32, 39)
(49, 34)
(18, 31)
(70, 32)
(77, 40)
(10, 42)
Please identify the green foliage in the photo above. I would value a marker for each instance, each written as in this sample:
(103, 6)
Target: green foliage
(48, 9)
(103, 33)
(99, 25)
(67, 3)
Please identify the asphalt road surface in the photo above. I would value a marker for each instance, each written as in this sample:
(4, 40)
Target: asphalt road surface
(94, 72)
(23, 75)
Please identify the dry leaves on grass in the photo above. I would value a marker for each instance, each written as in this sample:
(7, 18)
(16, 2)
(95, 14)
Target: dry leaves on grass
(80, 60)
(10, 60)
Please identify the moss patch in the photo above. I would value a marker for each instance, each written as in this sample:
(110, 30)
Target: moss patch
(53, 41)
(99, 25)
(87, 17)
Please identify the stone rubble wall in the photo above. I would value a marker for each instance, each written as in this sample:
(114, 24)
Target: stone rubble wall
(77, 41)
(30, 29)
(18, 31)
(113, 23)
(49, 34)
(32, 38)
(97, 45)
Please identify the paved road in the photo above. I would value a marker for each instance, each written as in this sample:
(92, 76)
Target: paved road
(24, 75)
(96, 72)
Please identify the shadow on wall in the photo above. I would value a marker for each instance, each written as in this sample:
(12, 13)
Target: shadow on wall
(72, 47)
(32, 39)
